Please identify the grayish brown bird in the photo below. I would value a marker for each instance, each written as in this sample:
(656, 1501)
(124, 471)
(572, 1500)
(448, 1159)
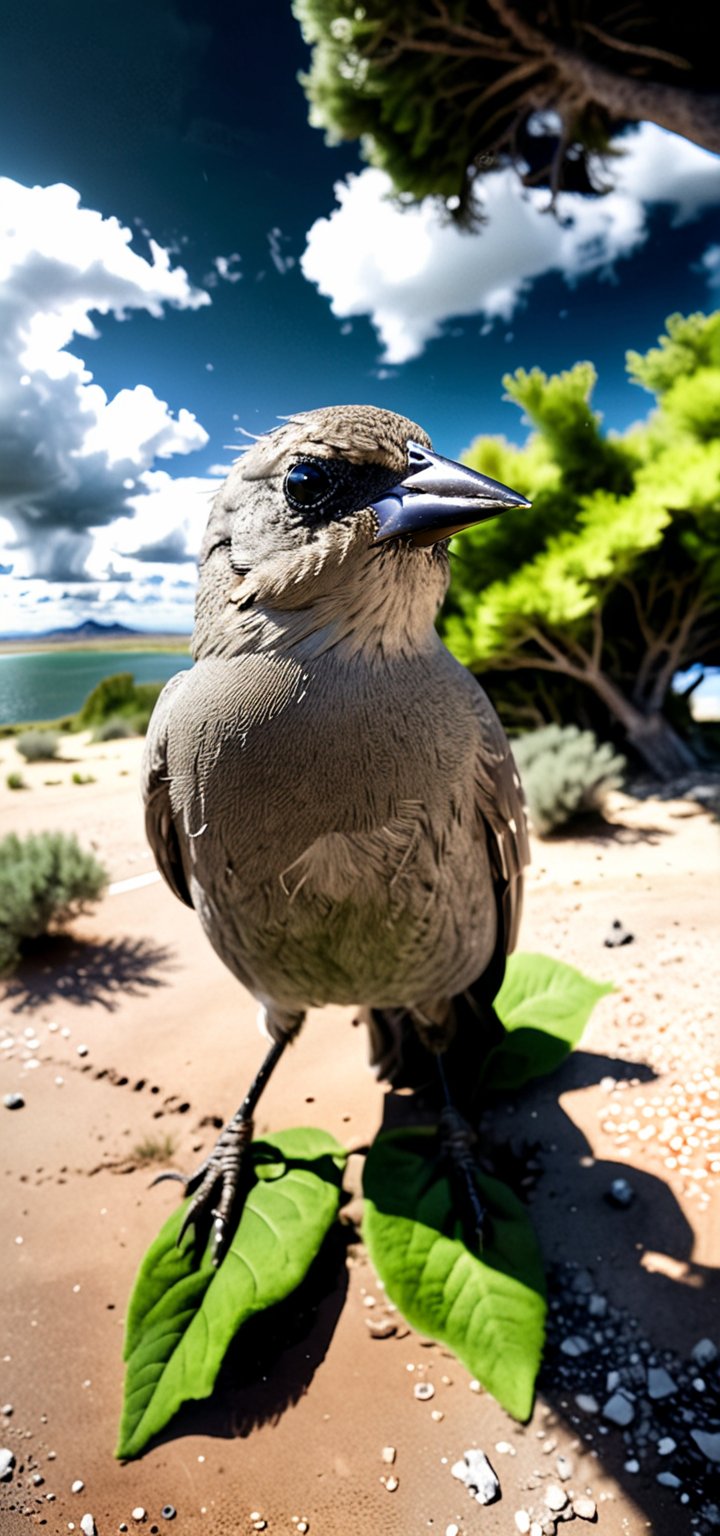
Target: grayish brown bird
(328, 787)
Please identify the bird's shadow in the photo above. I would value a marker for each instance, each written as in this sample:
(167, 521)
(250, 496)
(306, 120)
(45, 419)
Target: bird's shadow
(61, 967)
(271, 1362)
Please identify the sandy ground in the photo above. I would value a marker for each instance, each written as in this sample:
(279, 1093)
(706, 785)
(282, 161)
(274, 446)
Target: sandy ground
(134, 1030)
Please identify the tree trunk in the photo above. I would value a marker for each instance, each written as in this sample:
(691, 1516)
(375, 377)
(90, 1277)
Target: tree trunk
(652, 736)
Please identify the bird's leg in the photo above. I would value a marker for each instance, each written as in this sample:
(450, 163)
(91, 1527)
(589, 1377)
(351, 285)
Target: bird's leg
(458, 1141)
(219, 1178)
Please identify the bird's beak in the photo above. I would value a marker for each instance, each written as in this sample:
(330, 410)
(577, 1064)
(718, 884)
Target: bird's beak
(438, 498)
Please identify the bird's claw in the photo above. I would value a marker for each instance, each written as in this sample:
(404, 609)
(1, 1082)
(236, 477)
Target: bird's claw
(222, 1168)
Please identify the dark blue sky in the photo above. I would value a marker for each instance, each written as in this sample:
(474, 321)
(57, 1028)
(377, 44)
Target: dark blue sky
(187, 121)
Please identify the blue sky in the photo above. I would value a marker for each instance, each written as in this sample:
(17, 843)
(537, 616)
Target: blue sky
(182, 255)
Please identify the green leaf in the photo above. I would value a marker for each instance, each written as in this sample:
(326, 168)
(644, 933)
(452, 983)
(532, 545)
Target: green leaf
(183, 1314)
(544, 1006)
(489, 1309)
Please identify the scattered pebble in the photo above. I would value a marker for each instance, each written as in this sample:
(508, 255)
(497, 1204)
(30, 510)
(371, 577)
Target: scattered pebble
(707, 1443)
(423, 1390)
(77, 1486)
(504, 1448)
(621, 1194)
(666, 1446)
(704, 1352)
(584, 1508)
(438, 1415)
(555, 1497)
(575, 1346)
(168, 1511)
(659, 1382)
(139, 1514)
(380, 1327)
(565, 1467)
(668, 1480)
(633, 1465)
(87, 1525)
(586, 1402)
(82, 1050)
(388, 1455)
(14, 1101)
(7, 1409)
(619, 1410)
(522, 1521)
(478, 1476)
(7, 1462)
(475, 1386)
(391, 1483)
(618, 934)
(452, 1530)
(303, 1526)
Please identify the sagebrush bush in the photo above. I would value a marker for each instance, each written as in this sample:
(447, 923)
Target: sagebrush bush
(15, 780)
(120, 697)
(566, 773)
(115, 729)
(46, 880)
(38, 746)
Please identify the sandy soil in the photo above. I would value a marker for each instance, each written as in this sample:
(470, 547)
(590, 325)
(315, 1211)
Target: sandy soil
(132, 1029)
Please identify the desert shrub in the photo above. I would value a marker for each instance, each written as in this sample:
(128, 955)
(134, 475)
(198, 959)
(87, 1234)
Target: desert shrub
(38, 746)
(46, 880)
(83, 778)
(115, 729)
(15, 781)
(566, 773)
(120, 697)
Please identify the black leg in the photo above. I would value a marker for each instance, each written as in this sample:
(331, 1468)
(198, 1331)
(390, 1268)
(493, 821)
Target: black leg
(216, 1184)
(458, 1142)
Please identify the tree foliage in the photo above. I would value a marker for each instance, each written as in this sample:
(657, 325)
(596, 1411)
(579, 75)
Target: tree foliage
(441, 91)
(612, 580)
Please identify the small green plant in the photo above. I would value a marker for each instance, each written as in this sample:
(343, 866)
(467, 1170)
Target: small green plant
(153, 1149)
(46, 880)
(486, 1304)
(566, 773)
(115, 729)
(38, 746)
(15, 781)
(83, 778)
(120, 697)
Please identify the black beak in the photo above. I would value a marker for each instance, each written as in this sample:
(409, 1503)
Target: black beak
(438, 498)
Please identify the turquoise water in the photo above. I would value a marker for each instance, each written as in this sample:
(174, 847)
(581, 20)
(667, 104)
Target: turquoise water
(43, 685)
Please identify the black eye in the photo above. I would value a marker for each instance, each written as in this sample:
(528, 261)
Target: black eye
(307, 485)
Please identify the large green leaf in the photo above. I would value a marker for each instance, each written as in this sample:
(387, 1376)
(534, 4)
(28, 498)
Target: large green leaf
(544, 1006)
(488, 1308)
(184, 1313)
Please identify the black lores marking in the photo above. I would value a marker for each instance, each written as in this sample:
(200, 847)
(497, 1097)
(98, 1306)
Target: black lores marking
(321, 490)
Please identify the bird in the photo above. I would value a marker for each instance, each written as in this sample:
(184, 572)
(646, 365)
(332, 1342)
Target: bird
(327, 786)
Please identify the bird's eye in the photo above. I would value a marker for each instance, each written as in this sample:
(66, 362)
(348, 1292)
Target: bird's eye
(307, 485)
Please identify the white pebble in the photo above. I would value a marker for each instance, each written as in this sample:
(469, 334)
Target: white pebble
(77, 1486)
(707, 1443)
(82, 1050)
(633, 1465)
(138, 1513)
(303, 1526)
(584, 1508)
(7, 1462)
(666, 1445)
(522, 1521)
(587, 1403)
(452, 1530)
(504, 1448)
(424, 1390)
(555, 1497)
(477, 1474)
(7, 1409)
(391, 1483)
(619, 1410)
(475, 1386)
(438, 1415)
(659, 1383)
(388, 1454)
(565, 1467)
(87, 1525)
(668, 1480)
(574, 1346)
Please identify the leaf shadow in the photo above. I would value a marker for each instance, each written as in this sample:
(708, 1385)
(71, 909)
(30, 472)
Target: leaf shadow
(61, 967)
(639, 1259)
(273, 1359)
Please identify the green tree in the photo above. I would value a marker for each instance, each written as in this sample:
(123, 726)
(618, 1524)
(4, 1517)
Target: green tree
(612, 581)
(441, 91)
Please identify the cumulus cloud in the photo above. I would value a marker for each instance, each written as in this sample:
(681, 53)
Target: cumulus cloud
(410, 270)
(73, 461)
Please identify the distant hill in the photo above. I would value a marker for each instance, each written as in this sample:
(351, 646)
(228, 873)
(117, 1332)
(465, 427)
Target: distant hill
(89, 629)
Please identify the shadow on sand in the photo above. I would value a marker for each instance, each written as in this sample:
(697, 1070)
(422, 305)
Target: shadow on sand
(61, 967)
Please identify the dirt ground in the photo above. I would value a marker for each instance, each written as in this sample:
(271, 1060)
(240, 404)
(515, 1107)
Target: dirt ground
(133, 1030)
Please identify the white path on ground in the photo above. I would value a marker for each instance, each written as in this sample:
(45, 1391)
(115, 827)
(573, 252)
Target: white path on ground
(135, 883)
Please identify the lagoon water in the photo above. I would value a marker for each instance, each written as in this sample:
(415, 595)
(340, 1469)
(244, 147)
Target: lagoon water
(44, 685)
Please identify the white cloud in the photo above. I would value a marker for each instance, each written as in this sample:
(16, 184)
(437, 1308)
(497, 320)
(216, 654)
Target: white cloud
(73, 461)
(710, 265)
(411, 271)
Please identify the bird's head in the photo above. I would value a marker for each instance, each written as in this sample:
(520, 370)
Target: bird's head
(334, 527)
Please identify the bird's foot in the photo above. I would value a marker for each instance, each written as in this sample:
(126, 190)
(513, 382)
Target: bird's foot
(458, 1142)
(216, 1187)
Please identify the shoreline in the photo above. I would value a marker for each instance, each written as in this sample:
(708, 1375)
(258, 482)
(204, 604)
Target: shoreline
(164, 643)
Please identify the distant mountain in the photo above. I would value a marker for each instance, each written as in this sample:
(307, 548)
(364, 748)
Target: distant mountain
(89, 629)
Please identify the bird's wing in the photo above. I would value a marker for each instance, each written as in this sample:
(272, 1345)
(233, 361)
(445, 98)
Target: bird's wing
(155, 783)
(501, 805)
